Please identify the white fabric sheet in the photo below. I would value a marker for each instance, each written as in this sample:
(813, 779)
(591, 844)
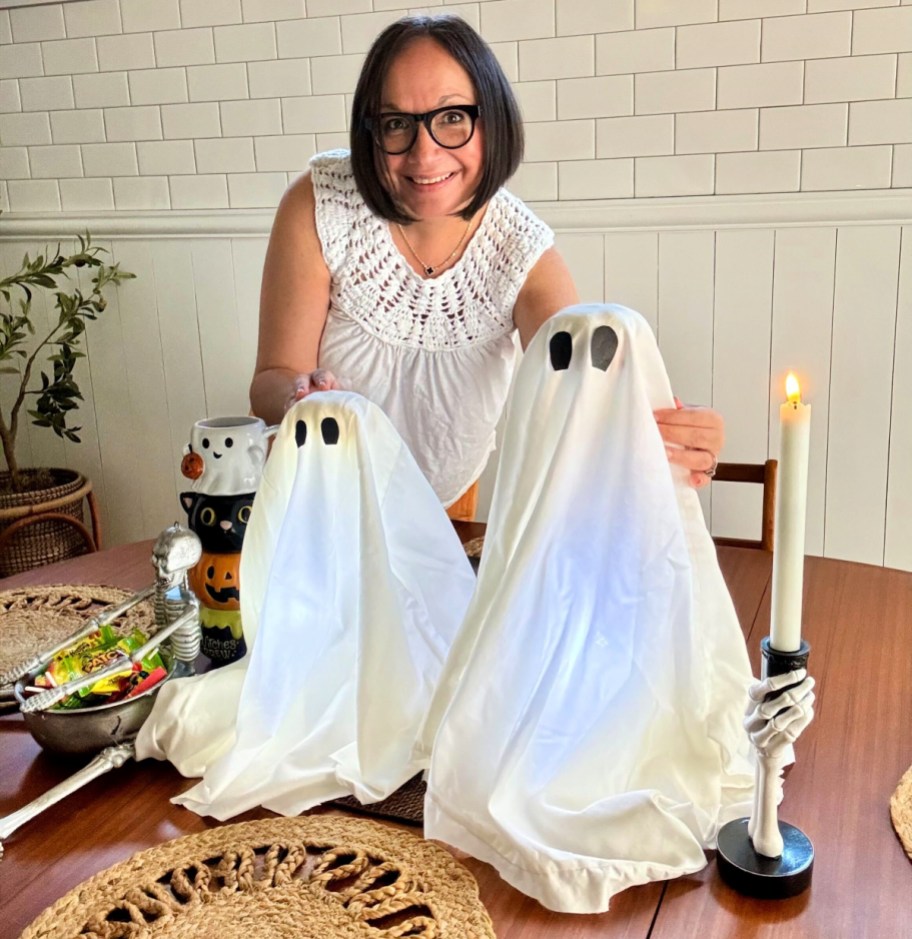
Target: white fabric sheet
(587, 729)
(353, 586)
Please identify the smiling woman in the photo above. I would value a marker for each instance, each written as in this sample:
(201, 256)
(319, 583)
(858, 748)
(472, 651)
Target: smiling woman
(403, 269)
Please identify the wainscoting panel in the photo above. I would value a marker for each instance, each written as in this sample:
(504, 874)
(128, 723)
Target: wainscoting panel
(684, 329)
(631, 272)
(801, 340)
(898, 543)
(739, 290)
(861, 380)
(741, 365)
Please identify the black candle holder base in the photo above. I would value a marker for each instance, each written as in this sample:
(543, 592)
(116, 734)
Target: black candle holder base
(754, 875)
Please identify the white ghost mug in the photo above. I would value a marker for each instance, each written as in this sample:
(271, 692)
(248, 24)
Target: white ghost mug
(226, 455)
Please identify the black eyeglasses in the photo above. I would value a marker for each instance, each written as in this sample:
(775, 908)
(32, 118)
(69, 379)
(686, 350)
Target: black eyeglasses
(451, 127)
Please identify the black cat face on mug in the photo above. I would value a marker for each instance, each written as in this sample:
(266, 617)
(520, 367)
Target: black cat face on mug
(219, 521)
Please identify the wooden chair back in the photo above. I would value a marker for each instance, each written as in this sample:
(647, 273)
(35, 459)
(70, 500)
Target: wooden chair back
(764, 474)
(464, 508)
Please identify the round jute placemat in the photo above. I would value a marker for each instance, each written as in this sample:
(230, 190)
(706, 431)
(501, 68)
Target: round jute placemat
(302, 878)
(33, 619)
(901, 811)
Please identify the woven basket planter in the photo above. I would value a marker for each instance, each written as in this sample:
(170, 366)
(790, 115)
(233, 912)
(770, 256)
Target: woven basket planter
(39, 527)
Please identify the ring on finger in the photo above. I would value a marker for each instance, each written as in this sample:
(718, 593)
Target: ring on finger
(715, 465)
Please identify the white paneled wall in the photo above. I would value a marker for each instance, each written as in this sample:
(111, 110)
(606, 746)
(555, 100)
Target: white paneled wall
(735, 303)
(737, 170)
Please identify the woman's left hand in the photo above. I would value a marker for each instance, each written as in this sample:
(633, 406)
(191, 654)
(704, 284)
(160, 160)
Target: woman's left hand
(693, 437)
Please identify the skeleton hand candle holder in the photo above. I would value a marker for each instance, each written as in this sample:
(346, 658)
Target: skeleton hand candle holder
(762, 856)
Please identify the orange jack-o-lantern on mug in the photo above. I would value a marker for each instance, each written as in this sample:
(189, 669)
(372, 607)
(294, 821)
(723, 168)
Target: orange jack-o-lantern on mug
(215, 581)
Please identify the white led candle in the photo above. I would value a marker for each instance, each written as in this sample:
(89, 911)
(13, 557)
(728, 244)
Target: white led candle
(791, 510)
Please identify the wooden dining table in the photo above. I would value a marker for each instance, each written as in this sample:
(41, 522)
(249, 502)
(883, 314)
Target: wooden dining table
(858, 620)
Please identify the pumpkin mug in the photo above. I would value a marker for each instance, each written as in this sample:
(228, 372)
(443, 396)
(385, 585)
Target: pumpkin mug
(216, 582)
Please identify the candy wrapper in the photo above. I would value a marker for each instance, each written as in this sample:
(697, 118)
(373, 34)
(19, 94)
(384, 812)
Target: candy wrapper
(95, 652)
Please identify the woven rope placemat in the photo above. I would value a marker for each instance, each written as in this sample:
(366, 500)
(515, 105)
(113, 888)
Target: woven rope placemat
(901, 811)
(406, 804)
(35, 618)
(308, 878)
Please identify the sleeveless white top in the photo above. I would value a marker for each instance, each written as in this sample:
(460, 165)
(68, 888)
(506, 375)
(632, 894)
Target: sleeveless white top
(435, 354)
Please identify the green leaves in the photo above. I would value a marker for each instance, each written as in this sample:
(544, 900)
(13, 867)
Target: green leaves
(59, 394)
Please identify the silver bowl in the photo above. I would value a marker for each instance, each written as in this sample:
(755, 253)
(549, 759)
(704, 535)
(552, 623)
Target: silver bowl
(88, 730)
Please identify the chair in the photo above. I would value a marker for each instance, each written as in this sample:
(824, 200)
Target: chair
(37, 533)
(464, 508)
(764, 473)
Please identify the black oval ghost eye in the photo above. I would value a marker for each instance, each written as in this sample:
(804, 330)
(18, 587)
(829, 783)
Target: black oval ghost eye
(205, 443)
(300, 433)
(207, 516)
(603, 347)
(561, 351)
(329, 427)
(229, 442)
(244, 514)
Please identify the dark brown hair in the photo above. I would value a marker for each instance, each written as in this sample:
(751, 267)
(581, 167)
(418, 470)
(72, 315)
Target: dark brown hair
(503, 132)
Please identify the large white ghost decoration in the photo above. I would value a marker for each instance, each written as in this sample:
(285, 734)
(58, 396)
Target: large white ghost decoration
(587, 729)
(353, 586)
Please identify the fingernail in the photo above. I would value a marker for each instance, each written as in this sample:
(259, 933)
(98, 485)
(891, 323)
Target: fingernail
(677, 402)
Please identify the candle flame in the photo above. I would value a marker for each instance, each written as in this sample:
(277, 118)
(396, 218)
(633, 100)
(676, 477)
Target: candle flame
(792, 389)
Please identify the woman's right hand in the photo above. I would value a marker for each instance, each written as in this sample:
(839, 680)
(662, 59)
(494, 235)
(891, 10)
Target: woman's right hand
(319, 379)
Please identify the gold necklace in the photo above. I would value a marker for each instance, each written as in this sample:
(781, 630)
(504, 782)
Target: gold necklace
(431, 269)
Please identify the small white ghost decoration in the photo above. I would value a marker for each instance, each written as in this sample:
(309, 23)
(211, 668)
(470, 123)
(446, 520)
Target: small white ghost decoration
(353, 585)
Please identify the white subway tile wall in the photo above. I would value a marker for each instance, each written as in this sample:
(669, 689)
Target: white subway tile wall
(166, 157)
(84, 126)
(902, 165)
(33, 195)
(226, 82)
(44, 94)
(123, 52)
(10, 99)
(38, 24)
(904, 76)
(129, 105)
(158, 86)
(92, 18)
(210, 13)
(55, 162)
(259, 118)
(101, 90)
(82, 195)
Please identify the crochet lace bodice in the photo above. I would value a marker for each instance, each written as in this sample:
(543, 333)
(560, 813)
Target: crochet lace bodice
(435, 354)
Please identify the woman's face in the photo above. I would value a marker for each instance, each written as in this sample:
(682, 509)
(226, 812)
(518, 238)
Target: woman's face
(430, 181)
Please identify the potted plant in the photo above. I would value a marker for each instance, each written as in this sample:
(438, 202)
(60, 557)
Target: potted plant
(27, 352)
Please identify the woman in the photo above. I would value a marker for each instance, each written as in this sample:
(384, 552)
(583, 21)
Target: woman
(403, 270)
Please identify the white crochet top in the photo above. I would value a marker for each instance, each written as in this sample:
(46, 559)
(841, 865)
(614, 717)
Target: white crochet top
(436, 354)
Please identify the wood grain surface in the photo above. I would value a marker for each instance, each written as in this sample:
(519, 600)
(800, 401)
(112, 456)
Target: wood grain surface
(858, 621)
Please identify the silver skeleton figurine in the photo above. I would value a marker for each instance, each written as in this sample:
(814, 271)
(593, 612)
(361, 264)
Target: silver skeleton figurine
(780, 708)
(176, 620)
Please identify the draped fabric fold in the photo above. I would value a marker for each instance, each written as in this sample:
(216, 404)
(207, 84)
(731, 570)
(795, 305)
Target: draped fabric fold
(586, 732)
(353, 585)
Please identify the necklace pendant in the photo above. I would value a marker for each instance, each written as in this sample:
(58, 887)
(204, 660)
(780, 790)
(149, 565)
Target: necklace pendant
(429, 271)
